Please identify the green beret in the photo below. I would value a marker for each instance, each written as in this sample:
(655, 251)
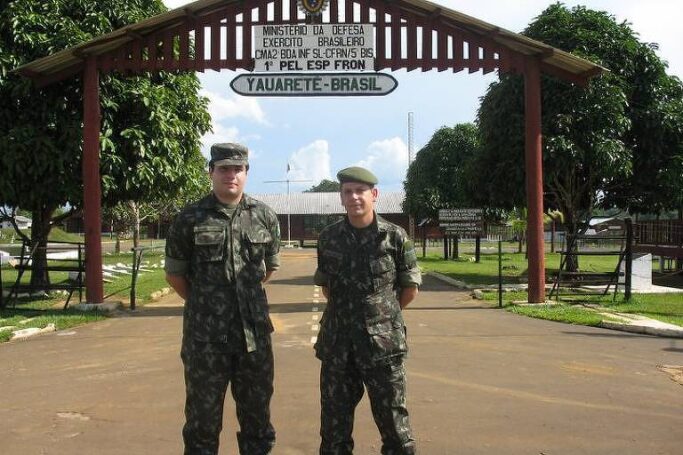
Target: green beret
(356, 174)
(229, 154)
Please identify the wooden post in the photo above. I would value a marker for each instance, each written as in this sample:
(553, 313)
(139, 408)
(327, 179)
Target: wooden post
(534, 180)
(628, 268)
(92, 193)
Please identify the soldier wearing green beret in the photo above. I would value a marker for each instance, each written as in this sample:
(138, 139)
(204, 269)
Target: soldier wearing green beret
(368, 272)
(219, 252)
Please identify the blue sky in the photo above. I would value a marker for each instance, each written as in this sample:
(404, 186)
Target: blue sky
(319, 136)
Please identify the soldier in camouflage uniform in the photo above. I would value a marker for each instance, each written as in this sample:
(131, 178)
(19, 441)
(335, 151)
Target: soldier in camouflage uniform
(368, 272)
(219, 251)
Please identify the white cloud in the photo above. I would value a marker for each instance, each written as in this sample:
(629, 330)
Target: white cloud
(311, 162)
(388, 160)
(219, 134)
(222, 108)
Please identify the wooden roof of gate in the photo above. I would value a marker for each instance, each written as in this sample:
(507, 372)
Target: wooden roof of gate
(168, 41)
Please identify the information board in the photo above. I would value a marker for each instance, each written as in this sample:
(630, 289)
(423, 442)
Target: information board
(323, 47)
(461, 221)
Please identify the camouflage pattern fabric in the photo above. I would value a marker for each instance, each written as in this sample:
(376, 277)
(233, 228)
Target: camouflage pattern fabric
(362, 339)
(224, 254)
(209, 368)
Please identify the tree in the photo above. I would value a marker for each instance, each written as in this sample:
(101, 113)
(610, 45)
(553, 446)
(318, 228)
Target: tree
(325, 186)
(151, 125)
(593, 136)
(126, 216)
(438, 176)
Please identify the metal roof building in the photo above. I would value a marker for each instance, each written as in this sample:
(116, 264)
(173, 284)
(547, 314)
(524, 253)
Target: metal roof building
(325, 203)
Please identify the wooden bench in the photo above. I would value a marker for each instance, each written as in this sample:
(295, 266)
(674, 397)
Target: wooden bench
(54, 264)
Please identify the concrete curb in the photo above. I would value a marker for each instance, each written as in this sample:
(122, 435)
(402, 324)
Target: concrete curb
(640, 324)
(643, 329)
(448, 280)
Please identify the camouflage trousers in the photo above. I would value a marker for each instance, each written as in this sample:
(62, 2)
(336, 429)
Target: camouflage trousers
(208, 372)
(341, 389)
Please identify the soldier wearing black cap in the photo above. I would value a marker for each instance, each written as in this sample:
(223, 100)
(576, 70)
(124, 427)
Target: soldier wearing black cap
(219, 252)
(368, 272)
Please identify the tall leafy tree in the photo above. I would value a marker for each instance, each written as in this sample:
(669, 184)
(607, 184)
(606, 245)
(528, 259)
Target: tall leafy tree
(438, 177)
(595, 138)
(325, 186)
(151, 125)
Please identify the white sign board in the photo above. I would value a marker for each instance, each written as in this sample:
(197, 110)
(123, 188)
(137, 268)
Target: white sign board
(314, 84)
(324, 47)
(461, 221)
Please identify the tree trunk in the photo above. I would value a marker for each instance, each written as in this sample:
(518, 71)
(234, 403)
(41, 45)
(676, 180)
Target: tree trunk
(135, 210)
(40, 230)
(571, 246)
(117, 245)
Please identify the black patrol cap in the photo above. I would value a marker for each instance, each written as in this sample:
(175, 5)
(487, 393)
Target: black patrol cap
(356, 174)
(229, 154)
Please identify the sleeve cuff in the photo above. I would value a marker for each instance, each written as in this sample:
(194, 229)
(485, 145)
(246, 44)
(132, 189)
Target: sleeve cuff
(174, 266)
(273, 262)
(409, 279)
(320, 278)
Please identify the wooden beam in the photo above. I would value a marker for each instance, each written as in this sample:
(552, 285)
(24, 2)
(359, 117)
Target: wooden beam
(92, 192)
(534, 180)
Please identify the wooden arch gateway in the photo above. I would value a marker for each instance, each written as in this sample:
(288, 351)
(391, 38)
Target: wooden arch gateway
(218, 34)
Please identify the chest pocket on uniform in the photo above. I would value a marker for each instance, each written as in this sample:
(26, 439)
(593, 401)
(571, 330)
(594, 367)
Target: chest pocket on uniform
(383, 271)
(332, 262)
(257, 241)
(208, 241)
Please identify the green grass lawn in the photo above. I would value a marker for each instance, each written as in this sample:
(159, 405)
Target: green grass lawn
(41, 311)
(663, 307)
(514, 267)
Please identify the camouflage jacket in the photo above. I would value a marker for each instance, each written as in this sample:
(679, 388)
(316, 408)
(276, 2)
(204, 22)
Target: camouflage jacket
(364, 272)
(224, 257)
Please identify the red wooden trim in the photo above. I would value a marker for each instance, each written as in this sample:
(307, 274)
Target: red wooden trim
(348, 11)
(215, 52)
(334, 11)
(490, 62)
(396, 61)
(277, 7)
(381, 36)
(199, 61)
(473, 60)
(169, 61)
(411, 40)
(293, 12)
(151, 61)
(126, 57)
(364, 12)
(564, 75)
(106, 62)
(246, 39)
(442, 62)
(427, 59)
(458, 62)
(184, 48)
(231, 41)
(135, 49)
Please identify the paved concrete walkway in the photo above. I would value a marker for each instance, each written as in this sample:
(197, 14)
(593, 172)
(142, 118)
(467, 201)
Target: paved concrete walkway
(481, 381)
